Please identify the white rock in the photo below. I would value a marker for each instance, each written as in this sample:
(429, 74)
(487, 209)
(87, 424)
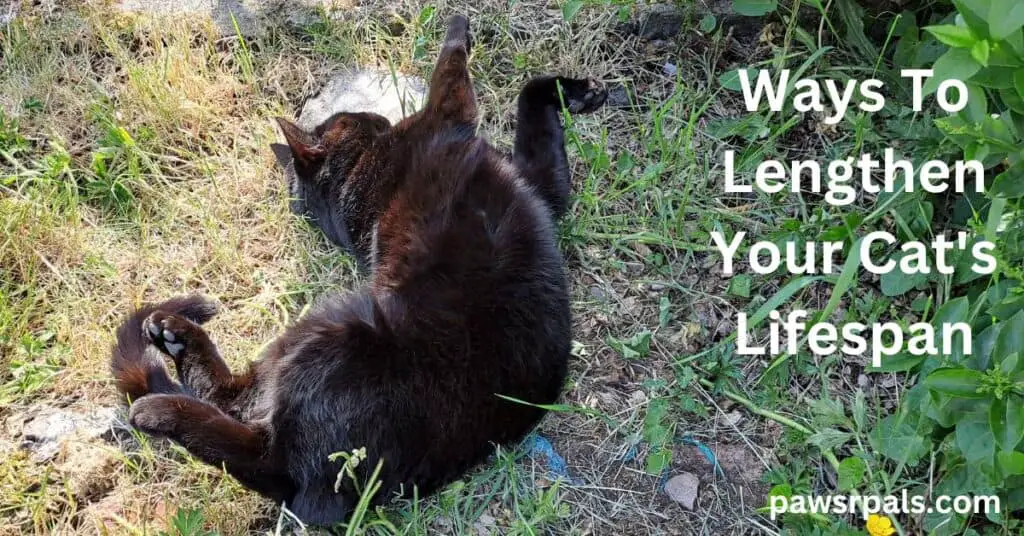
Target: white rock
(43, 430)
(682, 488)
(392, 95)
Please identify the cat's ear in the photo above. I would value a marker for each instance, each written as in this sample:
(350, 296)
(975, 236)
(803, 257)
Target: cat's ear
(282, 153)
(303, 149)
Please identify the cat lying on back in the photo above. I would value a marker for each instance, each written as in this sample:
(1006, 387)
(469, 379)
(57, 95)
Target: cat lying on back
(467, 300)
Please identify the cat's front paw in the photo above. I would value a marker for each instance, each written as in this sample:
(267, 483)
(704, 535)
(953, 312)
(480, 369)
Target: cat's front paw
(169, 332)
(582, 95)
(154, 415)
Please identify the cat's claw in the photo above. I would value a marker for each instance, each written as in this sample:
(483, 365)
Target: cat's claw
(583, 96)
(168, 332)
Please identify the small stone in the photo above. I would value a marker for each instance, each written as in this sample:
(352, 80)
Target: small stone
(733, 418)
(682, 488)
(618, 97)
(637, 398)
(8, 13)
(599, 294)
(662, 21)
(670, 69)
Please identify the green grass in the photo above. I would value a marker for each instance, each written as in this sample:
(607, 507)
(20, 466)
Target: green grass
(137, 168)
(134, 165)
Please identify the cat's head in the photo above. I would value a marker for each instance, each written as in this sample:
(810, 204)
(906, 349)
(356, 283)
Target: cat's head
(313, 161)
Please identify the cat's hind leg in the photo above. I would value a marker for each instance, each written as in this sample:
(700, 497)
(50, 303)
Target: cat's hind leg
(138, 369)
(201, 369)
(451, 96)
(540, 141)
(215, 438)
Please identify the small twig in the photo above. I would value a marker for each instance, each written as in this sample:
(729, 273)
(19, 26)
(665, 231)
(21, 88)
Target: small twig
(52, 268)
(781, 419)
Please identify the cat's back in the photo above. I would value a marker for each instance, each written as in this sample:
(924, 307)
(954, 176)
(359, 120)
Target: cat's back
(462, 216)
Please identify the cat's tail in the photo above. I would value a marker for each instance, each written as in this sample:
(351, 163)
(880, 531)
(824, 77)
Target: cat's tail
(138, 367)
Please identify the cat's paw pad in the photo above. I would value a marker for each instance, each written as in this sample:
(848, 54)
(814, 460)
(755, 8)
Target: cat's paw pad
(168, 332)
(583, 96)
(458, 32)
(154, 415)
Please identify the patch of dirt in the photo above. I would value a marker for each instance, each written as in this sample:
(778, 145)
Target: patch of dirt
(88, 468)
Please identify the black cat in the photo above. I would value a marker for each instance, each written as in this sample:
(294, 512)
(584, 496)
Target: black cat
(467, 300)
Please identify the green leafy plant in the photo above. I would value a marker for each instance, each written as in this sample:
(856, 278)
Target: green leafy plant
(187, 523)
(635, 347)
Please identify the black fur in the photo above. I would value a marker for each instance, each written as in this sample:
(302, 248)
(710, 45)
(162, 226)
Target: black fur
(467, 300)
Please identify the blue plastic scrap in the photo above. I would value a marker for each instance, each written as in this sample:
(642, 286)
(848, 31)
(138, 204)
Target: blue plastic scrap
(540, 449)
(632, 452)
(707, 452)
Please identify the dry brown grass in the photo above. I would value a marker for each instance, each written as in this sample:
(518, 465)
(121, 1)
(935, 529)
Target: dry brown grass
(194, 204)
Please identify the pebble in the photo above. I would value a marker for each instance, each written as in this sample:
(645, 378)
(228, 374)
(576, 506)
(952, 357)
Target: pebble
(682, 488)
(661, 21)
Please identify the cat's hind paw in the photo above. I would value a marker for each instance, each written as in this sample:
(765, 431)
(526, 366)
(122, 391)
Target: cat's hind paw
(169, 332)
(154, 414)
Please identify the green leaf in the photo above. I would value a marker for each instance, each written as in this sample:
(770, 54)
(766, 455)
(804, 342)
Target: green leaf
(954, 36)
(664, 311)
(1010, 339)
(851, 473)
(974, 437)
(897, 282)
(901, 362)
(980, 52)
(635, 347)
(975, 13)
(982, 346)
(1008, 184)
(897, 440)
(781, 490)
(955, 310)
(955, 64)
(708, 23)
(829, 438)
(1010, 18)
(570, 9)
(655, 431)
(740, 285)
(960, 382)
(1007, 421)
(977, 104)
(1011, 463)
(731, 79)
(1018, 82)
(860, 410)
(994, 77)
(1012, 100)
(658, 461)
(754, 8)
(951, 312)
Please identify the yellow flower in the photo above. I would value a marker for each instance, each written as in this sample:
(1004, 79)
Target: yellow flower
(880, 526)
